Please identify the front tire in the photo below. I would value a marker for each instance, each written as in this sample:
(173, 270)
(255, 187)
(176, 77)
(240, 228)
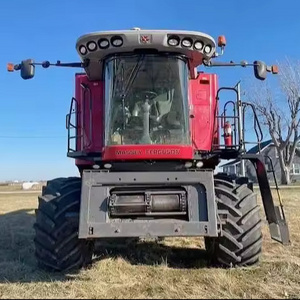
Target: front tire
(241, 242)
(57, 247)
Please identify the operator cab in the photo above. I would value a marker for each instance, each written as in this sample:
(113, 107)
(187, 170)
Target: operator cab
(146, 98)
(146, 82)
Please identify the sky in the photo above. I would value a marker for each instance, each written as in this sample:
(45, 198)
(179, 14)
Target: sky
(33, 138)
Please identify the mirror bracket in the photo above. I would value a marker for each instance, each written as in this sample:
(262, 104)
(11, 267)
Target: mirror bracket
(260, 68)
(27, 67)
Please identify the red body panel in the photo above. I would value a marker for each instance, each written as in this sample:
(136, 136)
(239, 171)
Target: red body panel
(90, 115)
(90, 124)
(203, 101)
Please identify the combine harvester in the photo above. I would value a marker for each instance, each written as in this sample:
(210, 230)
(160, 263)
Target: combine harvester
(146, 132)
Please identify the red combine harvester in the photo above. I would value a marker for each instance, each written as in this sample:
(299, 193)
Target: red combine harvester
(146, 132)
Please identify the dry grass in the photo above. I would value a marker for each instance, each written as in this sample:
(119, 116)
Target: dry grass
(18, 187)
(171, 269)
(10, 188)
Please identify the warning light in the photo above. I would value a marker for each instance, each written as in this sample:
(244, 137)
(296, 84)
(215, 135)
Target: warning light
(275, 69)
(221, 41)
(10, 67)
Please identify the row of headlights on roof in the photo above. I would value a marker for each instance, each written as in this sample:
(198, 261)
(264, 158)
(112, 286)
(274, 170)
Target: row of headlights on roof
(103, 43)
(117, 41)
(187, 42)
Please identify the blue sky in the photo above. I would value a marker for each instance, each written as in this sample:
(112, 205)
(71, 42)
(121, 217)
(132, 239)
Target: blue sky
(32, 113)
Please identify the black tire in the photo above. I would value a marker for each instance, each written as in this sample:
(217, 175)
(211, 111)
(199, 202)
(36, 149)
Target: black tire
(57, 247)
(241, 242)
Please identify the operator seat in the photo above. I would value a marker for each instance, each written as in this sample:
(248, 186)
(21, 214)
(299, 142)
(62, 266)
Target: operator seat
(173, 112)
(168, 108)
(163, 103)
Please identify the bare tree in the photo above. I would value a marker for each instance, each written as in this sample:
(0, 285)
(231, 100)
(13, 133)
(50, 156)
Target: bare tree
(278, 107)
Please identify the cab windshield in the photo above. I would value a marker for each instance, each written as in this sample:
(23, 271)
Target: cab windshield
(146, 100)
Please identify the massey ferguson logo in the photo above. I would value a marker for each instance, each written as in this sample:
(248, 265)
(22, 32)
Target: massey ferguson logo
(145, 39)
(149, 152)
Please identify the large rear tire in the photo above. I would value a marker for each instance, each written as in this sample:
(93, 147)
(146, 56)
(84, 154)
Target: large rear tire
(241, 242)
(57, 247)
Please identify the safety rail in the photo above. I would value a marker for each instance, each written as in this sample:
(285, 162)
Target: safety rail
(72, 125)
(256, 125)
(236, 121)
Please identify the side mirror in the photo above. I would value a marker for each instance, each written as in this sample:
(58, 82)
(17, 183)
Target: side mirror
(67, 121)
(260, 70)
(27, 69)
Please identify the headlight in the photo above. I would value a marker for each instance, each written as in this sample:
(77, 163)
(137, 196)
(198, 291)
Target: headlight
(103, 43)
(117, 41)
(83, 50)
(173, 41)
(187, 42)
(207, 49)
(188, 164)
(92, 46)
(198, 45)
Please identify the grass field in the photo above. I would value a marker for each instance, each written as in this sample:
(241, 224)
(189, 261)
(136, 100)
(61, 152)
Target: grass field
(173, 268)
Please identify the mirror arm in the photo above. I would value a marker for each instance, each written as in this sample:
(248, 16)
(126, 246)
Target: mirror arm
(47, 64)
(17, 67)
(228, 64)
(208, 63)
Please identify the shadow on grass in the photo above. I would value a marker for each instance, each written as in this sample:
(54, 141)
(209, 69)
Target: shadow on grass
(18, 264)
(154, 253)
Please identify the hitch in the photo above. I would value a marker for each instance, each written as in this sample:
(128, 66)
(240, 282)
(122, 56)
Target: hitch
(275, 215)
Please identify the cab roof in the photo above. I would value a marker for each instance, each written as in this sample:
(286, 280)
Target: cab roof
(96, 46)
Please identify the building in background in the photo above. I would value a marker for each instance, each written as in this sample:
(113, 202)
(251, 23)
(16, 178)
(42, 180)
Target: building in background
(267, 149)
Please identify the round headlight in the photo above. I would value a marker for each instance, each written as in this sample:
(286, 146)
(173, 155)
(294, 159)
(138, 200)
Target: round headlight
(83, 50)
(207, 49)
(199, 164)
(188, 164)
(187, 42)
(198, 45)
(103, 43)
(173, 41)
(92, 46)
(117, 41)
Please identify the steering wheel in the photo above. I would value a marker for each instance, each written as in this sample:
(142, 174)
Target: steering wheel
(147, 94)
(143, 96)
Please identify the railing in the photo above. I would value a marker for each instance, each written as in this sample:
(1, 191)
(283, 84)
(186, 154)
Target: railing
(71, 125)
(256, 125)
(234, 112)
